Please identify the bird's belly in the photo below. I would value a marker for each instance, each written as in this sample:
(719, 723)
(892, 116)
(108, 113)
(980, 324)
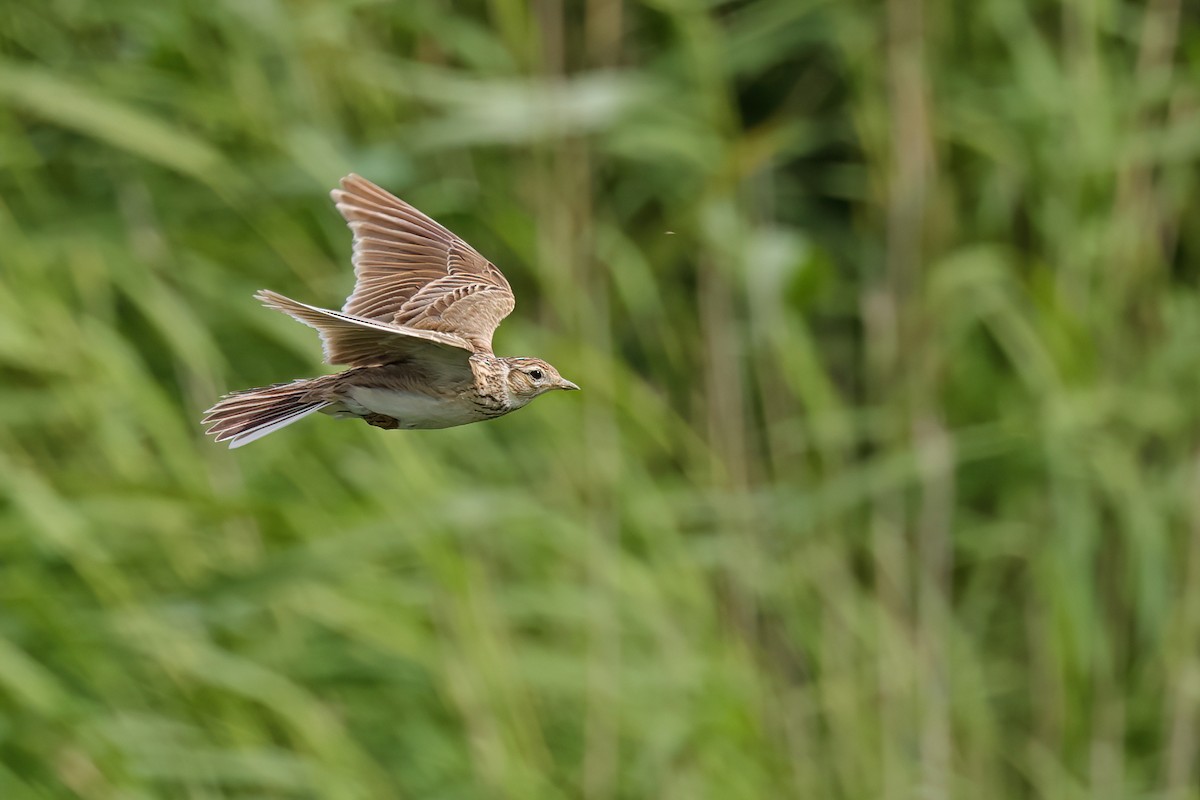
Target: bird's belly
(415, 410)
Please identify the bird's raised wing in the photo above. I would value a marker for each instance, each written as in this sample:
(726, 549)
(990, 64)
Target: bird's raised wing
(412, 272)
(361, 342)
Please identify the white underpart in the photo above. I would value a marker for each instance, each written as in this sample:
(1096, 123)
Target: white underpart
(414, 410)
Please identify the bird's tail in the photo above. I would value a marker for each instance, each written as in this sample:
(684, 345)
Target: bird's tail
(242, 417)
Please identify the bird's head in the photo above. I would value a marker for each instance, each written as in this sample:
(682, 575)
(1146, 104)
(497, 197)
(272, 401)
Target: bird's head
(529, 377)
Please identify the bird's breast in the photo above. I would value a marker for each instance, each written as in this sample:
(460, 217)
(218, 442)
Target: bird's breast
(418, 409)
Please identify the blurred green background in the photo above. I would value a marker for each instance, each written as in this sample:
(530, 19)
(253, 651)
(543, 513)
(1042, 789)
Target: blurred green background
(885, 478)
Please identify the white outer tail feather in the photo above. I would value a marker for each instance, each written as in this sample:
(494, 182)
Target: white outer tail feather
(247, 416)
(253, 434)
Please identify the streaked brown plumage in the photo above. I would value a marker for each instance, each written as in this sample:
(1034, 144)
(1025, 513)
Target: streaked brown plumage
(416, 333)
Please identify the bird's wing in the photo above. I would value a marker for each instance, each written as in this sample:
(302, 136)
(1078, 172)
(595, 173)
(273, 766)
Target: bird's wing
(359, 342)
(411, 271)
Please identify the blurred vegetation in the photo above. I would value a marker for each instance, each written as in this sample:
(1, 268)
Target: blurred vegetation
(885, 478)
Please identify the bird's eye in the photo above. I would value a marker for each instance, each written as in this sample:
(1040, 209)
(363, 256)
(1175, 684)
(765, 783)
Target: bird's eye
(536, 374)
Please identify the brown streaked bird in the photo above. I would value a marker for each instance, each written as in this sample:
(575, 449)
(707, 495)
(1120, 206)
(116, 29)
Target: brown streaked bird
(416, 334)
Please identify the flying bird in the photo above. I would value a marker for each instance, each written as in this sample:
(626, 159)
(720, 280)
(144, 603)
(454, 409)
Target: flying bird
(415, 334)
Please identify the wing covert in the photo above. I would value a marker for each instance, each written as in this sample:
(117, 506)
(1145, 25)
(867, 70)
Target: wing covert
(412, 271)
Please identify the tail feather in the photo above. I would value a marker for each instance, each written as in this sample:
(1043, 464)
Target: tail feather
(243, 417)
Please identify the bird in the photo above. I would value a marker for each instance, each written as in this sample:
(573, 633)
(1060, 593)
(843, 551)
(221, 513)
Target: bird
(415, 334)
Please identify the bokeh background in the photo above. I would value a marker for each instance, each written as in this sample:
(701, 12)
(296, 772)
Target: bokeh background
(885, 478)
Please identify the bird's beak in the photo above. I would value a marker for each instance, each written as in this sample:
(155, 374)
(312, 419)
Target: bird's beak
(563, 383)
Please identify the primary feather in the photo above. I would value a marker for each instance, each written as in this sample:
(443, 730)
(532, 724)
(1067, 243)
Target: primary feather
(411, 271)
